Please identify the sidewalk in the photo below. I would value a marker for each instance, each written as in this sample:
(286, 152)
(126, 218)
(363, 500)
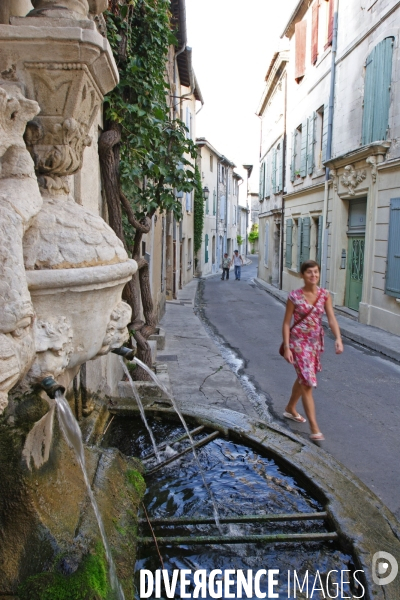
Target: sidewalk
(198, 372)
(368, 336)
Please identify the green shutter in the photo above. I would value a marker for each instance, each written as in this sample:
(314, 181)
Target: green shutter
(293, 158)
(378, 78)
(214, 203)
(280, 169)
(305, 242)
(274, 171)
(206, 249)
(325, 133)
(268, 177)
(311, 143)
(289, 231)
(299, 243)
(319, 239)
(304, 140)
(393, 255)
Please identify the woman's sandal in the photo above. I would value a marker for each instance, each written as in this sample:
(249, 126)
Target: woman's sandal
(317, 437)
(297, 418)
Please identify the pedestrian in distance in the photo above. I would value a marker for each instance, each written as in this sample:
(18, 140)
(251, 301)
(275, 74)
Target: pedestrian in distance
(226, 263)
(237, 261)
(304, 342)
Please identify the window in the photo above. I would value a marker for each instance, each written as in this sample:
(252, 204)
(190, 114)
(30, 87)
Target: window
(378, 78)
(317, 239)
(295, 163)
(214, 202)
(188, 202)
(207, 205)
(211, 163)
(190, 257)
(222, 208)
(289, 246)
(300, 50)
(206, 248)
(393, 255)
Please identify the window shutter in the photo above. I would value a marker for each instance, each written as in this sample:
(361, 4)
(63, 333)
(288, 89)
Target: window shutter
(314, 34)
(319, 240)
(268, 176)
(330, 23)
(293, 159)
(266, 244)
(263, 181)
(214, 202)
(304, 144)
(311, 143)
(378, 78)
(305, 245)
(325, 133)
(289, 232)
(260, 192)
(207, 206)
(206, 248)
(299, 242)
(280, 167)
(300, 44)
(273, 178)
(393, 256)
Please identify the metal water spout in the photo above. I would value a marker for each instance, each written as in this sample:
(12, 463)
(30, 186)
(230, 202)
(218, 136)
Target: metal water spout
(127, 353)
(51, 386)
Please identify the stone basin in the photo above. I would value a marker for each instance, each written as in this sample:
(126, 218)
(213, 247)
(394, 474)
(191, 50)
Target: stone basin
(79, 315)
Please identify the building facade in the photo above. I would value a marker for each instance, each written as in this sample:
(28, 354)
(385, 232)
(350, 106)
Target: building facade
(342, 159)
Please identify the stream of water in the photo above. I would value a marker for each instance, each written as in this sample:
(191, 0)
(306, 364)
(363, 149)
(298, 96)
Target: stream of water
(73, 436)
(140, 405)
(182, 420)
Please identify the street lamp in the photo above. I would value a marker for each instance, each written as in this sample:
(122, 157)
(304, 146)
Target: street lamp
(206, 193)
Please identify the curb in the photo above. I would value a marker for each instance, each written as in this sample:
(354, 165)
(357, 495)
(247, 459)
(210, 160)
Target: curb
(370, 337)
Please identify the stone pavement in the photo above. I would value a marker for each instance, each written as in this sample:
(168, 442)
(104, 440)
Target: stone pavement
(198, 372)
(370, 337)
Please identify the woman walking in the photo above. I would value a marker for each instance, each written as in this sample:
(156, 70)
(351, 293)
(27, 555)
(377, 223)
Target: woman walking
(304, 342)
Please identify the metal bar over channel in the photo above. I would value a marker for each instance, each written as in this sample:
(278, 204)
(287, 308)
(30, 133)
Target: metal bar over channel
(202, 442)
(240, 539)
(175, 441)
(315, 516)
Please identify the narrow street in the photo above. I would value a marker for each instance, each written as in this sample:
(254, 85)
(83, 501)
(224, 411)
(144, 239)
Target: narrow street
(357, 396)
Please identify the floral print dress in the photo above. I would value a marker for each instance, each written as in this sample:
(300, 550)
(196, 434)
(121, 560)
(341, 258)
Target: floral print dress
(307, 339)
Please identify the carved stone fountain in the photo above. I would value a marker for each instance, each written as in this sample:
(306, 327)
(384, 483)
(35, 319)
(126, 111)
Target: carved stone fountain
(62, 271)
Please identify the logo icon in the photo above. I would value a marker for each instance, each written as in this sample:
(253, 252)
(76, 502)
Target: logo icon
(384, 568)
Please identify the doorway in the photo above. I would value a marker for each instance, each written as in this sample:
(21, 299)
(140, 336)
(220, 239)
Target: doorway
(355, 253)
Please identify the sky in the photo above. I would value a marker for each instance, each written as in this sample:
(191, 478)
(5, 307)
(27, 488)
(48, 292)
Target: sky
(233, 42)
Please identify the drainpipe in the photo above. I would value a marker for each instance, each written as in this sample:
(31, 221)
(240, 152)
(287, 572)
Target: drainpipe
(324, 237)
(283, 184)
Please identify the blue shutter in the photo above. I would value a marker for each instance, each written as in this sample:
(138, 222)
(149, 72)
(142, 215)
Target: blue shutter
(206, 248)
(378, 78)
(305, 244)
(311, 143)
(289, 232)
(319, 239)
(266, 244)
(325, 133)
(393, 255)
(274, 171)
(280, 168)
(304, 140)
(299, 243)
(293, 158)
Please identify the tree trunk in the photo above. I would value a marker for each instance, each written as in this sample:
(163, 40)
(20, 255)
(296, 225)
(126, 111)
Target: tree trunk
(137, 292)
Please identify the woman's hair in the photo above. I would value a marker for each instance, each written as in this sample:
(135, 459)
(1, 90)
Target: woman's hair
(309, 264)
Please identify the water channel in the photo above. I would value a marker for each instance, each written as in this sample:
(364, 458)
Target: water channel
(243, 482)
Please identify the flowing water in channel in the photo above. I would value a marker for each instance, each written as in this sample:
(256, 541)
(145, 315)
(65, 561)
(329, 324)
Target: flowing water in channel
(244, 482)
(140, 405)
(182, 420)
(73, 436)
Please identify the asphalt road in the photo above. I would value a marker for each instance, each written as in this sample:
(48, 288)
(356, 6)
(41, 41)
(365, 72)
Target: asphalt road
(357, 399)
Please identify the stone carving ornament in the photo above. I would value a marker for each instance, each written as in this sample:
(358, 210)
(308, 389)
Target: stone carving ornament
(20, 201)
(352, 178)
(78, 8)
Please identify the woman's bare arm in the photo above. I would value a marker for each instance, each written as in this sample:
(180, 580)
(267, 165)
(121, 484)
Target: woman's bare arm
(334, 326)
(286, 331)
